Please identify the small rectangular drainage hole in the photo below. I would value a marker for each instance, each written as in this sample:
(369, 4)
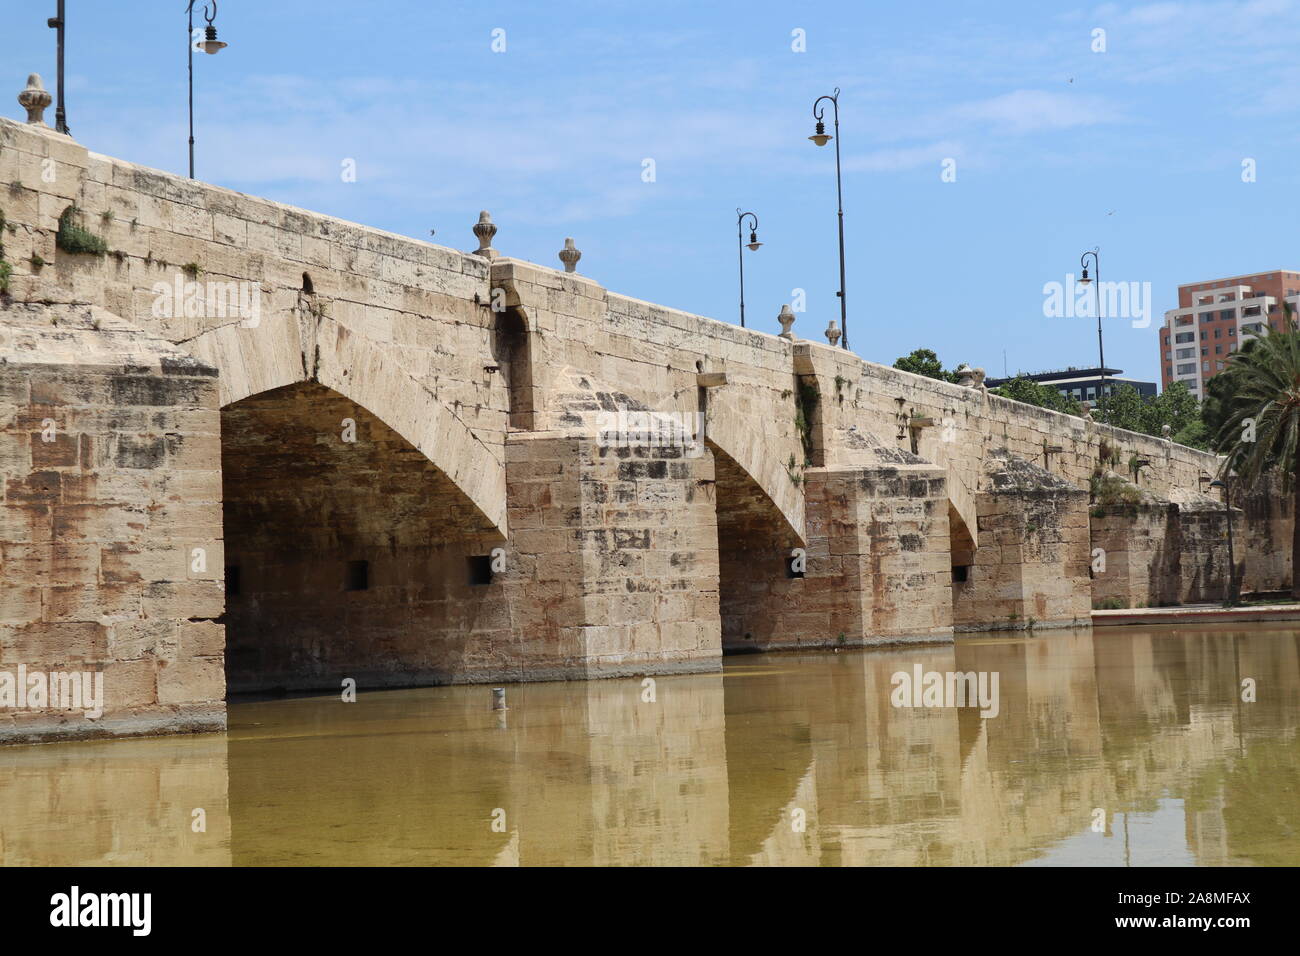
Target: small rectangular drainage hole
(358, 576)
(480, 569)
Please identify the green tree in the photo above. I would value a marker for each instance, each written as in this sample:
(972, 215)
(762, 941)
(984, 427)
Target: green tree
(1124, 409)
(925, 362)
(1260, 412)
(1175, 407)
(1021, 389)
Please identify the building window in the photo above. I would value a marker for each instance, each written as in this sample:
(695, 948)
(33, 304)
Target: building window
(1205, 350)
(1188, 369)
(1220, 366)
(1184, 337)
(1205, 366)
(1218, 333)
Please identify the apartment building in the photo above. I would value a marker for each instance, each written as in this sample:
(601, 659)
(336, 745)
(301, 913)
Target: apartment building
(1215, 318)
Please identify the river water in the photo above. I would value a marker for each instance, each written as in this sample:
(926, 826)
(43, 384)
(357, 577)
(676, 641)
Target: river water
(1123, 746)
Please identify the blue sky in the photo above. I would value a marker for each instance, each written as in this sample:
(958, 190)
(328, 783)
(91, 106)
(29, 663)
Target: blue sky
(1058, 149)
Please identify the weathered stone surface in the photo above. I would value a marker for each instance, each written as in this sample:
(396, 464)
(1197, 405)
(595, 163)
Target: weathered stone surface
(177, 409)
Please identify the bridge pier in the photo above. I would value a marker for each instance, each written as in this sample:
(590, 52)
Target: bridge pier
(1031, 562)
(875, 569)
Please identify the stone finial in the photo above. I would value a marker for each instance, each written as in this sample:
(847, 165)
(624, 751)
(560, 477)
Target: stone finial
(971, 377)
(1165, 431)
(786, 318)
(1087, 412)
(833, 333)
(570, 255)
(34, 100)
(485, 229)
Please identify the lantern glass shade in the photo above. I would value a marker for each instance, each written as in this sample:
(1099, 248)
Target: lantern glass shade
(210, 42)
(821, 139)
(753, 242)
(1084, 280)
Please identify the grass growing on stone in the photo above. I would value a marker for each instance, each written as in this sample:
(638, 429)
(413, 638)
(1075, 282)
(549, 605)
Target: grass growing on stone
(75, 238)
(1111, 491)
(6, 270)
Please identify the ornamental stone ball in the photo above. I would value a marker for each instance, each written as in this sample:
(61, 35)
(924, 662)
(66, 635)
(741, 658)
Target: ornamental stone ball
(570, 255)
(833, 333)
(485, 229)
(34, 100)
(786, 318)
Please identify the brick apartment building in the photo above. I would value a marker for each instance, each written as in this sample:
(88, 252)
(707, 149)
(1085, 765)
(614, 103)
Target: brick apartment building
(1214, 318)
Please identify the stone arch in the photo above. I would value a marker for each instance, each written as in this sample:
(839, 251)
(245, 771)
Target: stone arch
(756, 457)
(347, 551)
(264, 353)
(962, 524)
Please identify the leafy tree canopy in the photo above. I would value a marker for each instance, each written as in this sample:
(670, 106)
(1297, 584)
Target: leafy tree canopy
(1026, 390)
(925, 362)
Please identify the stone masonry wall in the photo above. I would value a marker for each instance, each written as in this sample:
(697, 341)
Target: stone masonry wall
(1032, 560)
(110, 526)
(1141, 549)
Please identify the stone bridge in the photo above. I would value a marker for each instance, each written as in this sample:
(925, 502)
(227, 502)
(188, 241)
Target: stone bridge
(248, 447)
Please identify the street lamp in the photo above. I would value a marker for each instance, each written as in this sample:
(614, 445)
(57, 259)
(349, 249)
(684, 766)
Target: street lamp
(210, 45)
(1232, 562)
(1101, 352)
(740, 251)
(57, 23)
(821, 138)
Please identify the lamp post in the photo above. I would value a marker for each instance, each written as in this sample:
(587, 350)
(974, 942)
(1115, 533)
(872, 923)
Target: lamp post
(210, 44)
(821, 138)
(57, 24)
(1232, 562)
(740, 251)
(1101, 351)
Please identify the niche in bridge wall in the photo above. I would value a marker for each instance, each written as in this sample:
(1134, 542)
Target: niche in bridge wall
(350, 556)
(809, 420)
(512, 349)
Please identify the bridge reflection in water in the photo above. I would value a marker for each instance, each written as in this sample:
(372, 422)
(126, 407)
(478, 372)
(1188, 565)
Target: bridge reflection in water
(1146, 724)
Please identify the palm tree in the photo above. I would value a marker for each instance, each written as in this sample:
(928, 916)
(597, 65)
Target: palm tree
(1260, 428)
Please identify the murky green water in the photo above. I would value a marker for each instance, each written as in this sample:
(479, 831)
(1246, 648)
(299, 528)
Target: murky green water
(1144, 725)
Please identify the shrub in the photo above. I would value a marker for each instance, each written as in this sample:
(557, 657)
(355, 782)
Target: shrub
(76, 238)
